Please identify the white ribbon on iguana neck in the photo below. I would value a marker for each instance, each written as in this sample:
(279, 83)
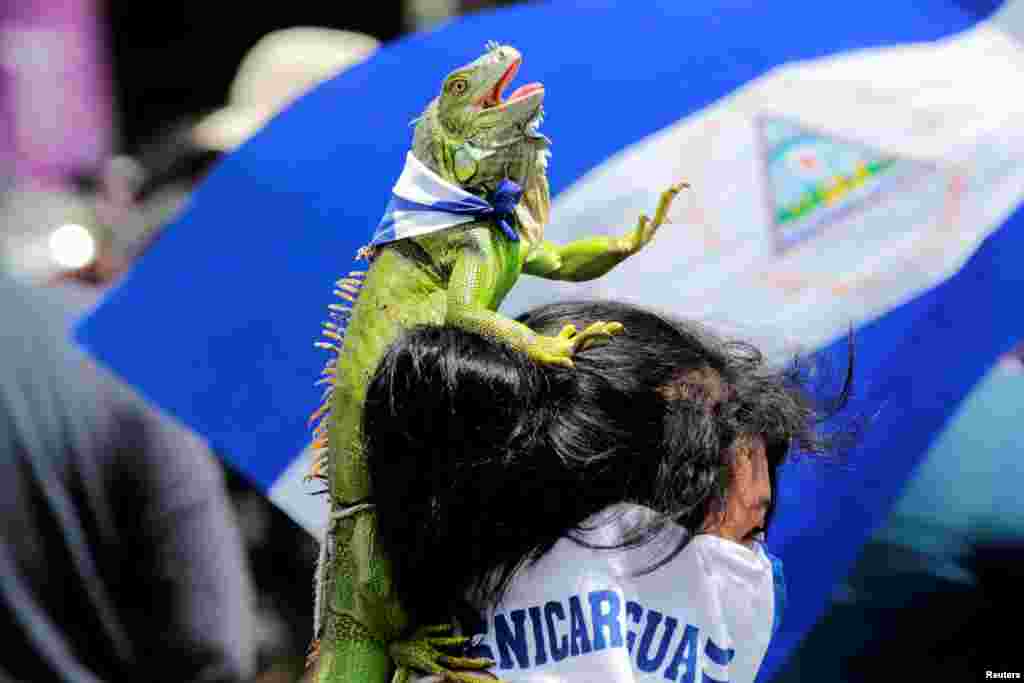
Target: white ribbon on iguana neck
(423, 202)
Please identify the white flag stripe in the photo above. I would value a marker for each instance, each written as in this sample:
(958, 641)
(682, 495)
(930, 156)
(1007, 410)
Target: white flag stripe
(952, 170)
(421, 185)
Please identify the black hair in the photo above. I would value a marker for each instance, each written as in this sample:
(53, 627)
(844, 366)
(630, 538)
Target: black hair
(481, 460)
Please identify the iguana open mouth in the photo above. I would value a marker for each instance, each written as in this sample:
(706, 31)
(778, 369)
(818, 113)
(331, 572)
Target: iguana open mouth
(493, 98)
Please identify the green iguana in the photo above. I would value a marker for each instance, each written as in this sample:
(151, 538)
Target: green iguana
(472, 139)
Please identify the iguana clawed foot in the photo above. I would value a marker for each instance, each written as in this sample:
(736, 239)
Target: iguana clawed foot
(636, 239)
(560, 349)
(423, 652)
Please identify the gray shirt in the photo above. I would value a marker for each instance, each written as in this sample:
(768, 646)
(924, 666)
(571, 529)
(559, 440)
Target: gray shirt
(119, 557)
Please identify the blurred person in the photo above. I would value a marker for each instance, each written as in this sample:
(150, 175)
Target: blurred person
(119, 555)
(136, 197)
(133, 197)
(563, 515)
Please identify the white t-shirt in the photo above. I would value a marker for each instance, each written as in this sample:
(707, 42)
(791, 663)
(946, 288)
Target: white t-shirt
(582, 615)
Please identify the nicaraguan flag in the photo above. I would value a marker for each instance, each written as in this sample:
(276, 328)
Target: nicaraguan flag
(423, 202)
(858, 164)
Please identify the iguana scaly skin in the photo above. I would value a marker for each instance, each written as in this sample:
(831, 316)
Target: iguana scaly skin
(472, 138)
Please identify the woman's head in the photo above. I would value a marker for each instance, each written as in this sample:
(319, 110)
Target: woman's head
(481, 460)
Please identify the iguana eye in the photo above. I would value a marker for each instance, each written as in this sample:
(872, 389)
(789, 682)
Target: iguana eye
(458, 86)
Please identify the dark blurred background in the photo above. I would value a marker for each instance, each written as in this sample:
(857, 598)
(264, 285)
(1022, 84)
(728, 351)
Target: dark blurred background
(176, 59)
(121, 154)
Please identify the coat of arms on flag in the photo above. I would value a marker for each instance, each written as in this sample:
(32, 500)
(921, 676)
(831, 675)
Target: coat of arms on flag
(814, 178)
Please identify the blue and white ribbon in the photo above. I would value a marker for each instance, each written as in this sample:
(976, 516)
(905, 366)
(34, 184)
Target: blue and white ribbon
(423, 202)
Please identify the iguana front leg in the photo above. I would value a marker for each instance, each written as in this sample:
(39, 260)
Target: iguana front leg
(592, 257)
(474, 291)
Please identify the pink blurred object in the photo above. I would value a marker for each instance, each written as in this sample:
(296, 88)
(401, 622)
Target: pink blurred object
(55, 91)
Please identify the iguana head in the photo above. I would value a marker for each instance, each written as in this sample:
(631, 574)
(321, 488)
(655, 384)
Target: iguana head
(474, 137)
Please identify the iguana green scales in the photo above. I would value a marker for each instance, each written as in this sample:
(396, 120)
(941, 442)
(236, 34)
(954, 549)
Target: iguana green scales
(472, 139)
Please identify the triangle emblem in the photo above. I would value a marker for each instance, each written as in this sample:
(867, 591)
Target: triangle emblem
(814, 180)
